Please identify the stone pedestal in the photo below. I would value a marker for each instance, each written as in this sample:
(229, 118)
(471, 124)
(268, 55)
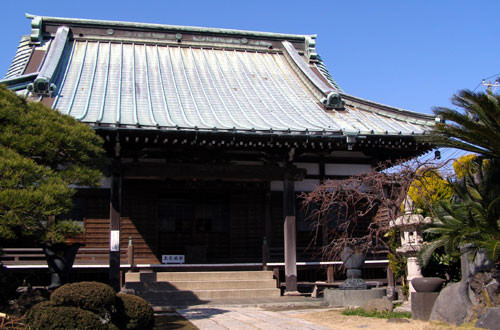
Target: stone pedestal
(351, 298)
(413, 269)
(421, 304)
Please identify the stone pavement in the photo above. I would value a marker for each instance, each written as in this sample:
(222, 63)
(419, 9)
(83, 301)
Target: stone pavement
(231, 317)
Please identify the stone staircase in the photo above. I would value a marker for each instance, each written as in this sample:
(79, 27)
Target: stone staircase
(189, 288)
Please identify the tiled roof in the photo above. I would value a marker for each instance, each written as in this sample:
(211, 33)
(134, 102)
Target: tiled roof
(169, 86)
(213, 81)
(20, 59)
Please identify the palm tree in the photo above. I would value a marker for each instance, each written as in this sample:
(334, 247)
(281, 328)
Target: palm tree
(476, 129)
(472, 217)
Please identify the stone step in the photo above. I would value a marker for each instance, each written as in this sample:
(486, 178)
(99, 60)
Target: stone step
(223, 285)
(186, 295)
(214, 276)
(203, 276)
(174, 288)
(279, 303)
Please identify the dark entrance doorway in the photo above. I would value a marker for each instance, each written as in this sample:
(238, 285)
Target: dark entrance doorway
(196, 226)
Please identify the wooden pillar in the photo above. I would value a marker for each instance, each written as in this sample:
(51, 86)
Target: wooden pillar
(324, 228)
(322, 171)
(268, 228)
(290, 235)
(268, 224)
(114, 227)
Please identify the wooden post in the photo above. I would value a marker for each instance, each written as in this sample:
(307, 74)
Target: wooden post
(130, 254)
(265, 253)
(114, 227)
(329, 274)
(391, 283)
(290, 235)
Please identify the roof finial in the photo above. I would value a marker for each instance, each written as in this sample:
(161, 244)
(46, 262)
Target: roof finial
(36, 28)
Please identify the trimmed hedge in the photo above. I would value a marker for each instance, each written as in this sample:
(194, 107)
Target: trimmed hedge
(47, 316)
(136, 312)
(91, 305)
(93, 296)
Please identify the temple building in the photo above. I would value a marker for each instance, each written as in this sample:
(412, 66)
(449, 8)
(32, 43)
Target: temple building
(212, 134)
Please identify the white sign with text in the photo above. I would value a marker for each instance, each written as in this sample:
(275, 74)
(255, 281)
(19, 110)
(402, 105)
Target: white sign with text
(172, 259)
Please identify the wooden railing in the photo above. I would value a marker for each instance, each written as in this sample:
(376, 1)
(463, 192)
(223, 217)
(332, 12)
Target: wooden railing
(11, 256)
(100, 256)
(35, 256)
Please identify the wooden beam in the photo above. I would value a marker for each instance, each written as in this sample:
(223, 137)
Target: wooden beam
(188, 171)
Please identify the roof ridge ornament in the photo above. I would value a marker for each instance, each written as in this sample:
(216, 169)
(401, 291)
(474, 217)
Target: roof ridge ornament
(310, 47)
(42, 84)
(328, 95)
(333, 101)
(36, 28)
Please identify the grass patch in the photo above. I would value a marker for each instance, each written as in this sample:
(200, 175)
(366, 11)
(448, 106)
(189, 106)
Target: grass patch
(380, 315)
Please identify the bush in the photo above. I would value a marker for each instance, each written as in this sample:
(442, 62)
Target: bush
(92, 296)
(28, 299)
(37, 309)
(8, 285)
(47, 316)
(134, 312)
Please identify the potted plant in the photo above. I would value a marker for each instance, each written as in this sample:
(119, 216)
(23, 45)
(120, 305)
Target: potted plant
(61, 243)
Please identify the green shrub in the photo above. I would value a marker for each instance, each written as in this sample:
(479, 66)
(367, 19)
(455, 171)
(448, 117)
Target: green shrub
(134, 312)
(47, 316)
(92, 296)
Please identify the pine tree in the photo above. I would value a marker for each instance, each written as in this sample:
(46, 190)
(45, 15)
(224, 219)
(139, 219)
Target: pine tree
(43, 154)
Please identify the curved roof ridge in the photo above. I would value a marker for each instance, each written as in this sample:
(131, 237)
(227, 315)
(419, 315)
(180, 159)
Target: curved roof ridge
(389, 108)
(63, 20)
(326, 73)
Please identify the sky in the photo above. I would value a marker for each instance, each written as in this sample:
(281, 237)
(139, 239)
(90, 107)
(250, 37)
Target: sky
(409, 54)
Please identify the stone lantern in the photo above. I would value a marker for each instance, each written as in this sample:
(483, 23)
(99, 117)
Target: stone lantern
(409, 225)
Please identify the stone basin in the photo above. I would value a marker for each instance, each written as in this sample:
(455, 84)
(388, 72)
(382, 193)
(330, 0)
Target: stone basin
(427, 284)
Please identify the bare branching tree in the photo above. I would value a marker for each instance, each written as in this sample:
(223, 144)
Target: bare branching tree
(356, 211)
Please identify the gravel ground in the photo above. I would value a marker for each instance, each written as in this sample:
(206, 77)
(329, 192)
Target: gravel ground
(333, 319)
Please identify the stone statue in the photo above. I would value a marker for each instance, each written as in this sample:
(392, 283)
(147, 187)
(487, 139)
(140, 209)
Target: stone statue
(353, 261)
